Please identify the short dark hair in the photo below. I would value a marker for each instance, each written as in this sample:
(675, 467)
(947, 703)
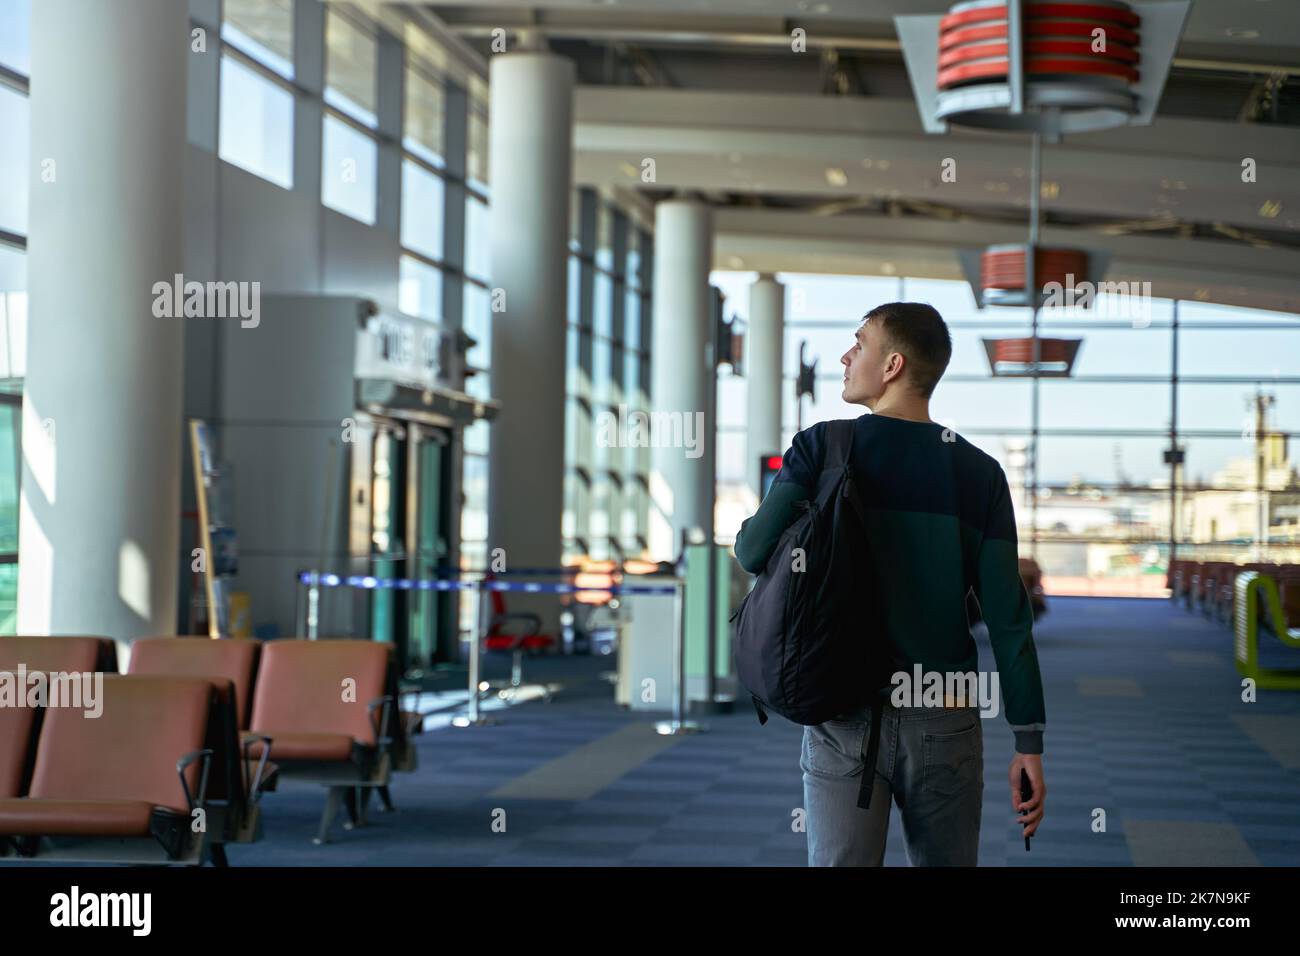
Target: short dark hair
(919, 332)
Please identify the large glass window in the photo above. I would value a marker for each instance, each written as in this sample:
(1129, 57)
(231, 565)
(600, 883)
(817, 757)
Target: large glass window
(16, 35)
(423, 195)
(13, 315)
(425, 116)
(477, 306)
(10, 456)
(1090, 473)
(477, 250)
(419, 289)
(15, 141)
(476, 159)
(262, 29)
(13, 354)
(350, 78)
(605, 503)
(15, 126)
(256, 126)
(349, 170)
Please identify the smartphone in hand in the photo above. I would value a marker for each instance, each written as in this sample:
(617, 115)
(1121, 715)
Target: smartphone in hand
(1026, 791)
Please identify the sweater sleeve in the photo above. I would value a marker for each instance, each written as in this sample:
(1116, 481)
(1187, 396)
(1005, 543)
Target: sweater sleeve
(760, 532)
(796, 481)
(1010, 618)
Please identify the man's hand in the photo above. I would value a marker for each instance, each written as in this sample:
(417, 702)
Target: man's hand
(1033, 766)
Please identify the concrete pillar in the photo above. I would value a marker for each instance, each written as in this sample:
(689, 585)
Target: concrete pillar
(763, 370)
(682, 376)
(530, 149)
(100, 506)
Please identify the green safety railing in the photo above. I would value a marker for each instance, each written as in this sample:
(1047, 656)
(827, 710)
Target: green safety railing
(1253, 592)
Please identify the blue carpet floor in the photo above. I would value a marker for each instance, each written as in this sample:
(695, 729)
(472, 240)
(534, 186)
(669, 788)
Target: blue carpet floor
(1145, 724)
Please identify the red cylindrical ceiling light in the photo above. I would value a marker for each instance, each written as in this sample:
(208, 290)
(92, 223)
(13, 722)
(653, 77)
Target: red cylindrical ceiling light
(1002, 272)
(1077, 58)
(1015, 357)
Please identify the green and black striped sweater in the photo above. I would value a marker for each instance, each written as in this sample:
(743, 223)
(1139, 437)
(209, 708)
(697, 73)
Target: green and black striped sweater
(940, 522)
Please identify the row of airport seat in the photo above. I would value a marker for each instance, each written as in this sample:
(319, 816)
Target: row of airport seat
(173, 765)
(1209, 587)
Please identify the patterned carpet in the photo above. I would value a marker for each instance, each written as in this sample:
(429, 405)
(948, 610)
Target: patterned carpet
(1144, 722)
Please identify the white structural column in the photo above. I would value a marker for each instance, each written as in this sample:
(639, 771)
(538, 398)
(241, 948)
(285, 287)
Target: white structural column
(100, 506)
(531, 174)
(763, 373)
(682, 377)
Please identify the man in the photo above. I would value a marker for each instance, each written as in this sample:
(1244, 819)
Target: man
(939, 522)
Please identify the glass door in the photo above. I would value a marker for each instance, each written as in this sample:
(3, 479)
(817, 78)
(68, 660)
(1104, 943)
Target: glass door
(426, 542)
(386, 545)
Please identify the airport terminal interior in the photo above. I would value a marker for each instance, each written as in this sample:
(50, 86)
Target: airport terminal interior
(384, 384)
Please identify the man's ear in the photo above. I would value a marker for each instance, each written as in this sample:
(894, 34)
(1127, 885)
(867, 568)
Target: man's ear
(894, 366)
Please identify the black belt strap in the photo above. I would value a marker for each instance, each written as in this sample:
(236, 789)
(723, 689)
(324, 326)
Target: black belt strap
(873, 751)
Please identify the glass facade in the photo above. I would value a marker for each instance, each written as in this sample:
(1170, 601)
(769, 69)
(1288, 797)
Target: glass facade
(1098, 515)
(350, 153)
(350, 77)
(256, 121)
(16, 36)
(349, 170)
(606, 485)
(15, 143)
(15, 123)
(262, 30)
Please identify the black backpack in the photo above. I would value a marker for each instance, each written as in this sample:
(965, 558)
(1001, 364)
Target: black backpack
(809, 643)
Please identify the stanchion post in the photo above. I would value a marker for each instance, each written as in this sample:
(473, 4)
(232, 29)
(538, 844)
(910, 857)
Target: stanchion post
(313, 606)
(474, 718)
(299, 607)
(679, 725)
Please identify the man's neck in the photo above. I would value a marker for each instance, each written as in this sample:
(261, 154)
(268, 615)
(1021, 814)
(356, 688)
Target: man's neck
(909, 408)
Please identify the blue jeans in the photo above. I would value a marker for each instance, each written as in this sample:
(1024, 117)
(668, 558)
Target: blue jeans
(931, 762)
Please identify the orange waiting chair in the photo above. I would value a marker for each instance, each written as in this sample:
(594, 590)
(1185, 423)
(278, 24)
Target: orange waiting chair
(237, 784)
(19, 726)
(124, 786)
(324, 704)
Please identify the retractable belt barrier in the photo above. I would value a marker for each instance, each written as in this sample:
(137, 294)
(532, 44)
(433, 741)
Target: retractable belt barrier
(369, 582)
(314, 581)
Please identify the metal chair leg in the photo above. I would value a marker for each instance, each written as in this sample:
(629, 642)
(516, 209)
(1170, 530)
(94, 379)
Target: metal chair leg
(350, 804)
(333, 799)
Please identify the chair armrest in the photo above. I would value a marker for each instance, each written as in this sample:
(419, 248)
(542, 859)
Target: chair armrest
(254, 783)
(183, 764)
(385, 707)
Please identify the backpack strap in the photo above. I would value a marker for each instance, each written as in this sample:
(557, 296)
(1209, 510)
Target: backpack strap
(839, 443)
(873, 751)
(835, 458)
